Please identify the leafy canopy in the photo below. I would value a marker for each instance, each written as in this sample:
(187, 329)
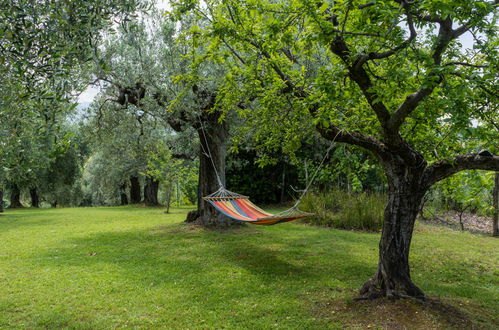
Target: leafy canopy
(281, 61)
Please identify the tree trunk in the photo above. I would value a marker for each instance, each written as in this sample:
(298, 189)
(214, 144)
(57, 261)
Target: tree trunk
(495, 229)
(134, 190)
(283, 184)
(151, 192)
(123, 196)
(213, 142)
(169, 192)
(393, 278)
(35, 201)
(1, 201)
(15, 197)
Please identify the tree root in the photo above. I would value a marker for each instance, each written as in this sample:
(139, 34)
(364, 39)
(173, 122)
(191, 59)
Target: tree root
(375, 288)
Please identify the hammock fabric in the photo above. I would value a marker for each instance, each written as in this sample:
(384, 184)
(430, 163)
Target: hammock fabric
(240, 208)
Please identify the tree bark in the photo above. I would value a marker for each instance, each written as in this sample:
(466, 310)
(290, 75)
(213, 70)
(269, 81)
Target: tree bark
(151, 188)
(405, 195)
(1, 201)
(123, 195)
(134, 190)
(495, 229)
(35, 201)
(213, 152)
(169, 193)
(15, 197)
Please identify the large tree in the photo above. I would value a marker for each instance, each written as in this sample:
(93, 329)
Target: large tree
(139, 68)
(388, 76)
(42, 45)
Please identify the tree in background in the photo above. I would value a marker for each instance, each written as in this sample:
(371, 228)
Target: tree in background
(168, 170)
(468, 191)
(119, 139)
(144, 69)
(42, 44)
(387, 76)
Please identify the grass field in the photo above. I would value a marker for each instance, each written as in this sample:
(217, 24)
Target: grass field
(93, 268)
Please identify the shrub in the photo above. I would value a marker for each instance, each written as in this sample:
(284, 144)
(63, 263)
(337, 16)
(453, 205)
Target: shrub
(340, 209)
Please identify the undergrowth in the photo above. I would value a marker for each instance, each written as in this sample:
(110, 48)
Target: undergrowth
(340, 209)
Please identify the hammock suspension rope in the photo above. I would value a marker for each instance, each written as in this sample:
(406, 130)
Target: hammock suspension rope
(240, 208)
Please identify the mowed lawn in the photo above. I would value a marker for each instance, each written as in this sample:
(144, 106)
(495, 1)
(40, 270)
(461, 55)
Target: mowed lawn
(116, 267)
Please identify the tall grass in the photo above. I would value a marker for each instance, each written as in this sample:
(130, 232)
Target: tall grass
(340, 209)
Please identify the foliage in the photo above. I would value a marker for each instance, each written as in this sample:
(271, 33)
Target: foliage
(469, 191)
(43, 41)
(346, 167)
(60, 183)
(44, 46)
(171, 172)
(269, 184)
(280, 61)
(344, 210)
(137, 267)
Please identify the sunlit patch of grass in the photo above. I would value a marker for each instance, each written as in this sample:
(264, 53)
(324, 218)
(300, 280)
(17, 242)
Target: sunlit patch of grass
(138, 267)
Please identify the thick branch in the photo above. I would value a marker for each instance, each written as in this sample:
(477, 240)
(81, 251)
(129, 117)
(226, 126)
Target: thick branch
(334, 134)
(359, 75)
(445, 168)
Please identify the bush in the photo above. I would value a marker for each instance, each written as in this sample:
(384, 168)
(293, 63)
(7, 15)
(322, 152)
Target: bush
(340, 209)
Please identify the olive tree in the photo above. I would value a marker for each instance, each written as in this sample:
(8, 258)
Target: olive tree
(145, 67)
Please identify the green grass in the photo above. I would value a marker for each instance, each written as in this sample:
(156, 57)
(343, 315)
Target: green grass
(94, 268)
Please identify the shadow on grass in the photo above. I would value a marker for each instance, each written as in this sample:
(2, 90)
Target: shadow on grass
(395, 314)
(167, 255)
(13, 220)
(217, 265)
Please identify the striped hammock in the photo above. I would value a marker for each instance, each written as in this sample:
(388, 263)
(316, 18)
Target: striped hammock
(240, 208)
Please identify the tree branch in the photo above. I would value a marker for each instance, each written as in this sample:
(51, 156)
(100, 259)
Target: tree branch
(359, 75)
(331, 133)
(466, 64)
(445, 168)
(445, 35)
(412, 35)
(334, 134)
(365, 34)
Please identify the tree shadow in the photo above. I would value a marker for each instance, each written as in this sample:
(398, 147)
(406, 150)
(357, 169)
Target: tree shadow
(13, 220)
(205, 263)
(162, 255)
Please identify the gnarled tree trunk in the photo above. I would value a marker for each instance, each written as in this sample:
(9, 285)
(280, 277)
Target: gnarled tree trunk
(213, 152)
(134, 190)
(405, 194)
(151, 188)
(15, 197)
(35, 201)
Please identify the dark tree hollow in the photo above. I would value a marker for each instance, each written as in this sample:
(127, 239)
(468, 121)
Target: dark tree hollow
(134, 190)
(35, 200)
(15, 197)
